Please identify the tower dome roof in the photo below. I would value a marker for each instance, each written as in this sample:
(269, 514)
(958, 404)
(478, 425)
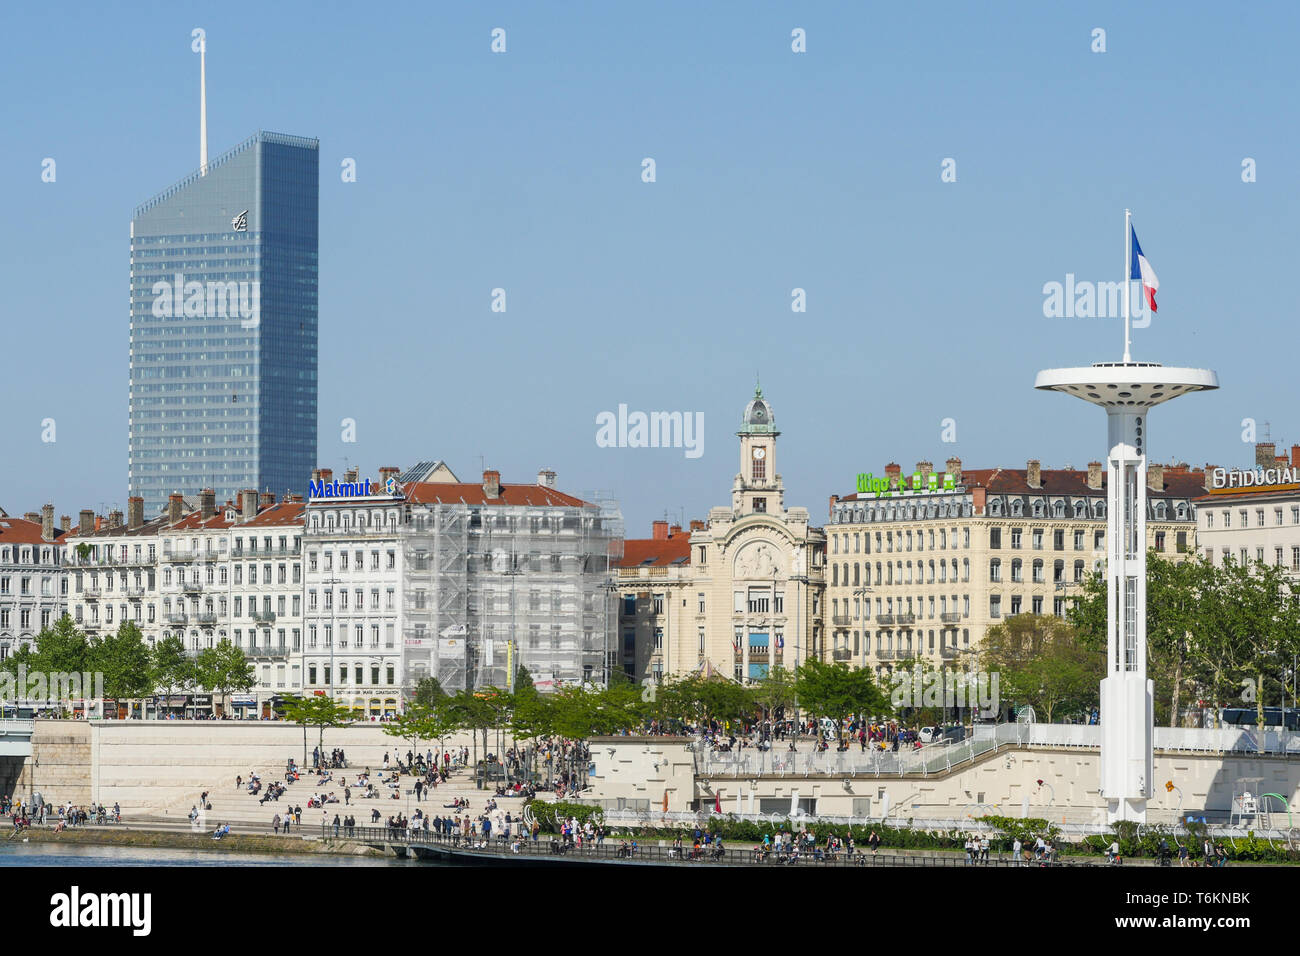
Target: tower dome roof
(758, 417)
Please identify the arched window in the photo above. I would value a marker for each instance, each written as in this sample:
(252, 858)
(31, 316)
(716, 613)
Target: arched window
(1017, 508)
(1160, 510)
(1079, 510)
(1182, 511)
(995, 507)
(1099, 510)
(1038, 509)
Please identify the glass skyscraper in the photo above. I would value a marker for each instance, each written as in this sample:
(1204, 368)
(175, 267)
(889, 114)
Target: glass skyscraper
(224, 265)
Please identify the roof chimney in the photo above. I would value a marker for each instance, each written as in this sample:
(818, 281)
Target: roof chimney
(134, 513)
(65, 522)
(546, 478)
(247, 504)
(492, 484)
(315, 474)
(1265, 454)
(87, 523)
(1094, 475)
(114, 520)
(385, 474)
(1155, 476)
(268, 499)
(175, 508)
(660, 532)
(295, 498)
(925, 467)
(1034, 473)
(892, 471)
(953, 466)
(674, 531)
(47, 522)
(207, 503)
(350, 476)
(697, 524)
(1295, 456)
(830, 508)
(33, 516)
(327, 475)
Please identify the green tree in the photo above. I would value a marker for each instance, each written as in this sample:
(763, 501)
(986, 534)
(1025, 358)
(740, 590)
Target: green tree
(224, 668)
(838, 692)
(428, 691)
(1039, 660)
(169, 666)
(123, 659)
(315, 711)
(775, 693)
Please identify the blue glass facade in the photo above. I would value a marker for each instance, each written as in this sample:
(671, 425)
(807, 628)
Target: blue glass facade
(223, 388)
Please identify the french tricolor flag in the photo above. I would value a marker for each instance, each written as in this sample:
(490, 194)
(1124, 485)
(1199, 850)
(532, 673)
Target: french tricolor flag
(1141, 270)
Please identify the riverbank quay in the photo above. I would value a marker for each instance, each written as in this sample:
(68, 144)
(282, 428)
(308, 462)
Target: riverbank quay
(182, 837)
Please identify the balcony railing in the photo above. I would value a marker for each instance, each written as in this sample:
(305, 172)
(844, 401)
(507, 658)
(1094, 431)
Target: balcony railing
(92, 592)
(949, 652)
(842, 654)
(841, 620)
(174, 617)
(885, 653)
(135, 592)
(884, 619)
(267, 650)
(950, 617)
(206, 617)
(179, 555)
(191, 587)
(908, 618)
(267, 617)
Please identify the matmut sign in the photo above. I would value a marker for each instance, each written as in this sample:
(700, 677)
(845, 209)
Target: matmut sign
(1261, 479)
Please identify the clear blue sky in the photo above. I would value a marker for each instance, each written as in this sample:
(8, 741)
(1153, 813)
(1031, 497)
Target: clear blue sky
(775, 170)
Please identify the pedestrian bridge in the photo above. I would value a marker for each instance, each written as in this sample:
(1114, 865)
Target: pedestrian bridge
(16, 737)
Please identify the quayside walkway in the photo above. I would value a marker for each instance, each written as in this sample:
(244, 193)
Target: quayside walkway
(429, 845)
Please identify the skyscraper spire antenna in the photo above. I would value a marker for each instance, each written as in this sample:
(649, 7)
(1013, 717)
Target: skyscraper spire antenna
(203, 105)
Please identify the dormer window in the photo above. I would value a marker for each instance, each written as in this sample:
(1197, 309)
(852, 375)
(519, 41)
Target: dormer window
(1017, 508)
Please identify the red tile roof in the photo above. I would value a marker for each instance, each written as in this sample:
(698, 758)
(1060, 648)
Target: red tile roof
(471, 493)
(22, 531)
(284, 513)
(656, 552)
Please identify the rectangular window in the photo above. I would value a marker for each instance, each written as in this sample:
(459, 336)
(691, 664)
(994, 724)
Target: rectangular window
(995, 537)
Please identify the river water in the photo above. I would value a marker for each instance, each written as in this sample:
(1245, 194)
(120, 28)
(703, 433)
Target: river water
(50, 854)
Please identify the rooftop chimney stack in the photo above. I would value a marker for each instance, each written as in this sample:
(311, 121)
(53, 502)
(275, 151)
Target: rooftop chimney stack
(492, 484)
(830, 508)
(47, 522)
(134, 513)
(33, 516)
(660, 532)
(546, 478)
(114, 520)
(892, 471)
(925, 467)
(207, 503)
(697, 524)
(65, 522)
(247, 504)
(674, 531)
(87, 523)
(1034, 473)
(1155, 476)
(350, 476)
(315, 474)
(268, 499)
(1094, 475)
(954, 468)
(175, 508)
(327, 475)
(385, 474)
(1265, 454)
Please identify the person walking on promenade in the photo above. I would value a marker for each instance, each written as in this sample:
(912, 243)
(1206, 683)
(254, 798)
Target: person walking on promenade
(984, 850)
(275, 823)
(239, 782)
(337, 823)
(288, 817)
(874, 841)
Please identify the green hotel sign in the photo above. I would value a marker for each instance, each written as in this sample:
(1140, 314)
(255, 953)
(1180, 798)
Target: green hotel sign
(917, 483)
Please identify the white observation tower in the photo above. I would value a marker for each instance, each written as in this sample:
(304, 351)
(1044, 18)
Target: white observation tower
(1127, 390)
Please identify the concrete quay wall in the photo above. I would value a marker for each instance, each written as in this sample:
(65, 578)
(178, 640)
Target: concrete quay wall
(161, 767)
(640, 771)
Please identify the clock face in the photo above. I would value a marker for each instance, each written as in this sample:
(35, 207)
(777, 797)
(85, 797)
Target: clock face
(760, 453)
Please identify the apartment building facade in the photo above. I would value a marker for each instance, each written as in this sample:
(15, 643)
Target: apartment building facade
(33, 583)
(1253, 514)
(922, 568)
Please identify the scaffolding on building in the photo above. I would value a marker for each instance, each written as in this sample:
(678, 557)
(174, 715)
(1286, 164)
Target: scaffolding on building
(488, 588)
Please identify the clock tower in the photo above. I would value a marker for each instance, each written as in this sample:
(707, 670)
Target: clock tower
(758, 488)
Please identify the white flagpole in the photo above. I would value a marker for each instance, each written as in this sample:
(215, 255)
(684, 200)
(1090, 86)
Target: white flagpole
(1128, 259)
(203, 106)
